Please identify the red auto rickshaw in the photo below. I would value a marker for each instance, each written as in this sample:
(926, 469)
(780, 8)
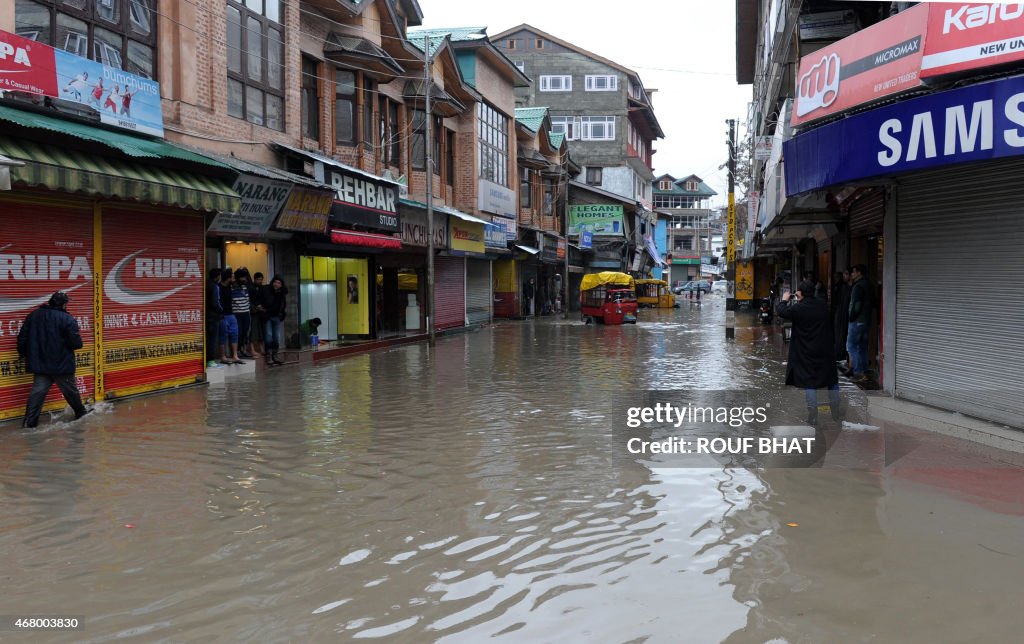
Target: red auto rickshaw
(608, 298)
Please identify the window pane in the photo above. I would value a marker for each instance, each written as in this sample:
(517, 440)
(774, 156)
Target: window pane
(254, 49)
(235, 98)
(109, 10)
(32, 21)
(274, 10)
(107, 47)
(274, 112)
(234, 40)
(140, 59)
(255, 6)
(368, 113)
(343, 120)
(254, 105)
(72, 35)
(140, 13)
(275, 53)
(345, 83)
(77, 4)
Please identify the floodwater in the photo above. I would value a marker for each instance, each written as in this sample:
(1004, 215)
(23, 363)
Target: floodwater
(469, 494)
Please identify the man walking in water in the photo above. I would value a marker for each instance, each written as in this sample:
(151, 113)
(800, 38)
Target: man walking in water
(48, 340)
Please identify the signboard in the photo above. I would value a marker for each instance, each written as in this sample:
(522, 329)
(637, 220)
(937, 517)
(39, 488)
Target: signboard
(121, 99)
(686, 261)
(964, 36)
(495, 236)
(466, 236)
(745, 281)
(153, 287)
(730, 242)
(753, 201)
(261, 201)
(414, 228)
(560, 253)
(874, 63)
(496, 199)
(973, 123)
(363, 201)
(586, 239)
(763, 148)
(599, 219)
(306, 210)
(511, 229)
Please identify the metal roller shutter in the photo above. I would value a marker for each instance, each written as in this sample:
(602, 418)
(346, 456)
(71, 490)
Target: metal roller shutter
(958, 329)
(153, 286)
(867, 214)
(45, 247)
(449, 292)
(478, 291)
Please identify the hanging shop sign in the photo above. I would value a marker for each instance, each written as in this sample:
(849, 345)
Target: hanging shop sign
(262, 199)
(307, 210)
(466, 236)
(152, 300)
(599, 219)
(963, 36)
(414, 228)
(874, 63)
(120, 99)
(362, 201)
(496, 199)
(973, 123)
(548, 248)
(586, 239)
(560, 253)
(495, 236)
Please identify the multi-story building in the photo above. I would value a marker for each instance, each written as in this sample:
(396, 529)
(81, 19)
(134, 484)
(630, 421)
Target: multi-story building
(896, 168)
(685, 204)
(606, 115)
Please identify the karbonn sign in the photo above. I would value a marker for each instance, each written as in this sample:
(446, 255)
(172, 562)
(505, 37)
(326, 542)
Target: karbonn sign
(964, 36)
(974, 123)
(362, 201)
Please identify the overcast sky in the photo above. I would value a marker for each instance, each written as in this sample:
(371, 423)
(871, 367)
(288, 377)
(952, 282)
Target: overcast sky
(683, 48)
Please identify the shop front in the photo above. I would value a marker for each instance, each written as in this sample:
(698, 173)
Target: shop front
(124, 239)
(948, 163)
(466, 240)
(402, 278)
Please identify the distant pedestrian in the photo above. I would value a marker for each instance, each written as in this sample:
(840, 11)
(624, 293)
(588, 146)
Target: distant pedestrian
(811, 364)
(229, 323)
(255, 302)
(241, 307)
(861, 312)
(48, 340)
(273, 308)
(840, 311)
(214, 315)
(529, 293)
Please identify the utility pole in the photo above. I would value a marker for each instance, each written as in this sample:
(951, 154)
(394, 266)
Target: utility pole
(565, 233)
(730, 302)
(427, 149)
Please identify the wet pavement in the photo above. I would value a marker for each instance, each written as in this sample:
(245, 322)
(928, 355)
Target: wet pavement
(471, 493)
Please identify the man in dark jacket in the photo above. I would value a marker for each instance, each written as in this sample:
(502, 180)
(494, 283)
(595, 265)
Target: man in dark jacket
(811, 365)
(840, 310)
(272, 309)
(861, 305)
(48, 340)
(214, 315)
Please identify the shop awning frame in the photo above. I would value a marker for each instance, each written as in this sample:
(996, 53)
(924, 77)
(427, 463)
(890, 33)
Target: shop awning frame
(73, 171)
(344, 237)
(529, 249)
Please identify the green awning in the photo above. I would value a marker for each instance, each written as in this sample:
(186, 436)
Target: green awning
(73, 171)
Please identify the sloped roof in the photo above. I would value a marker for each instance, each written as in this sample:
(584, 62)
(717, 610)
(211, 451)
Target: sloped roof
(678, 187)
(557, 138)
(456, 34)
(531, 117)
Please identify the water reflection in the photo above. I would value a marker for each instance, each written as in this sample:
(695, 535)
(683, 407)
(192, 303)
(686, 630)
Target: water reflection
(457, 493)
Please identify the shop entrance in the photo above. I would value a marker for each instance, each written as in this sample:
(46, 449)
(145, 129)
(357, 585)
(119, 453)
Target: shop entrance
(336, 290)
(400, 302)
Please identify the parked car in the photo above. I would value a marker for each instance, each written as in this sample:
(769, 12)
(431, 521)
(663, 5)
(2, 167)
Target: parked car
(701, 285)
(720, 286)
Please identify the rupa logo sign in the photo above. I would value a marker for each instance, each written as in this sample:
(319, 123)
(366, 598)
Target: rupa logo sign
(19, 55)
(136, 280)
(36, 277)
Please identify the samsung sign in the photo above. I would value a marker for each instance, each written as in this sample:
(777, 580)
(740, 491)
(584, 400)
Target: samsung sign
(974, 123)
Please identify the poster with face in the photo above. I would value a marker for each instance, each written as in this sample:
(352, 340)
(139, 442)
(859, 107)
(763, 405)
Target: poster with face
(353, 289)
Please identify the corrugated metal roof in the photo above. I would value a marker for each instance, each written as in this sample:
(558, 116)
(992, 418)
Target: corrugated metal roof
(457, 34)
(703, 190)
(531, 117)
(127, 144)
(556, 139)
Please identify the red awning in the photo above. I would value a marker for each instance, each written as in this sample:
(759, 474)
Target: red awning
(370, 240)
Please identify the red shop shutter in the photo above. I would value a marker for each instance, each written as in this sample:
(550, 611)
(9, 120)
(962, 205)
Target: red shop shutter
(449, 292)
(152, 300)
(44, 248)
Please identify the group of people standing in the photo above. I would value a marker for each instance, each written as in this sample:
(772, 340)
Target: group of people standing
(244, 316)
(821, 337)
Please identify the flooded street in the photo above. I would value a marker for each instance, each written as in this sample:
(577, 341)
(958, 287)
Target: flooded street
(470, 493)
